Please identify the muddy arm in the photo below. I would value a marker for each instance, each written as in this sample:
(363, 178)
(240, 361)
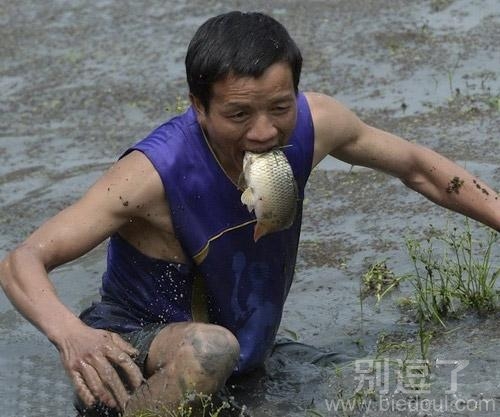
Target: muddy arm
(341, 134)
(88, 355)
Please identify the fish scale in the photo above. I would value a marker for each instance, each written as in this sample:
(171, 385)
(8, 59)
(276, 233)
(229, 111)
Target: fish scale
(270, 191)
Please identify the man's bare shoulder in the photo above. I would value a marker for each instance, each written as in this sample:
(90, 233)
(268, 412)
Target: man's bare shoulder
(334, 124)
(331, 115)
(136, 191)
(132, 183)
(128, 199)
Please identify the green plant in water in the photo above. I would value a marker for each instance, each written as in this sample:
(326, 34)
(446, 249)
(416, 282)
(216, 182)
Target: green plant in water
(453, 271)
(379, 280)
(424, 336)
(387, 343)
(432, 299)
(193, 404)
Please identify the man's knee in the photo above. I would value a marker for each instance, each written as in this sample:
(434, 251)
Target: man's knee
(212, 349)
(216, 349)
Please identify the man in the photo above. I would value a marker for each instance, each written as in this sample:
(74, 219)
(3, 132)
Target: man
(186, 286)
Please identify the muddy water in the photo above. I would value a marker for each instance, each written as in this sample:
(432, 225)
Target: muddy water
(80, 82)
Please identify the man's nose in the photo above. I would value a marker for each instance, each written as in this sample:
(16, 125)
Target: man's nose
(262, 130)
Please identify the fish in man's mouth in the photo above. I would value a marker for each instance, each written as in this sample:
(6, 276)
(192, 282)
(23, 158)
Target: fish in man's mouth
(270, 190)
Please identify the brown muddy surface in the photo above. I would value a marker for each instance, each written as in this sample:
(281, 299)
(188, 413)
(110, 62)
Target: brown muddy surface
(81, 81)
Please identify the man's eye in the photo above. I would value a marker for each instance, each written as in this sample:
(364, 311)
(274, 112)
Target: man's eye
(281, 109)
(238, 116)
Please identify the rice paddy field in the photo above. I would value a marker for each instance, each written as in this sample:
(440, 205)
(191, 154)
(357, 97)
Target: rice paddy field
(403, 292)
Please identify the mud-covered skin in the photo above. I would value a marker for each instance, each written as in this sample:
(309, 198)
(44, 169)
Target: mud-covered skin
(184, 358)
(80, 84)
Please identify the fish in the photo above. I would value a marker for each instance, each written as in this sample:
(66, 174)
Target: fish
(270, 190)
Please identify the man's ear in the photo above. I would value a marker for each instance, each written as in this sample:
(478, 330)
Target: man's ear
(198, 107)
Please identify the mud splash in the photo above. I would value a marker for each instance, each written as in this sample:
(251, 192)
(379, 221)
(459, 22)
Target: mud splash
(80, 83)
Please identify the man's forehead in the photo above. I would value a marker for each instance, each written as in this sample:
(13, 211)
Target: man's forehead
(278, 68)
(277, 84)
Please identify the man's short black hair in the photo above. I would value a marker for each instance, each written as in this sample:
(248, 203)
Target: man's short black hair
(241, 44)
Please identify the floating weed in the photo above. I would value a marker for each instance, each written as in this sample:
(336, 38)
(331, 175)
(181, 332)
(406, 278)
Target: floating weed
(193, 404)
(406, 304)
(379, 280)
(388, 343)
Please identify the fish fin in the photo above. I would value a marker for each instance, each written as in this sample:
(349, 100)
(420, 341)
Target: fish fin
(247, 199)
(242, 183)
(259, 231)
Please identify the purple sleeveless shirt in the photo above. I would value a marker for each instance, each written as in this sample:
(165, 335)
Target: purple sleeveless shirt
(245, 283)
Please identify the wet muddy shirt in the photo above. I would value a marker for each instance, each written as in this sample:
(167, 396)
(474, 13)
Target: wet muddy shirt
(245, 283)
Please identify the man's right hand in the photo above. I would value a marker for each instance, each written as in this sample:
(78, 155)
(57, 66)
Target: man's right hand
(94, 359)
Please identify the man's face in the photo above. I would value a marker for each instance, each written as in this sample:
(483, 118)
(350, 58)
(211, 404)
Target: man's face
(249, 114)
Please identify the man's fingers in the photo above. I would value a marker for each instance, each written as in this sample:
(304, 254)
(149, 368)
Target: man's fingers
(82, 389)
(111, 381)
(123, 356)
(124, 346)
(98, 378)
(97, 385)
(128, 368)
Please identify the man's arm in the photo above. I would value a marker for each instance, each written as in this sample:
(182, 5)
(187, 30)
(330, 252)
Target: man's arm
(130, 189)
(341, 134)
